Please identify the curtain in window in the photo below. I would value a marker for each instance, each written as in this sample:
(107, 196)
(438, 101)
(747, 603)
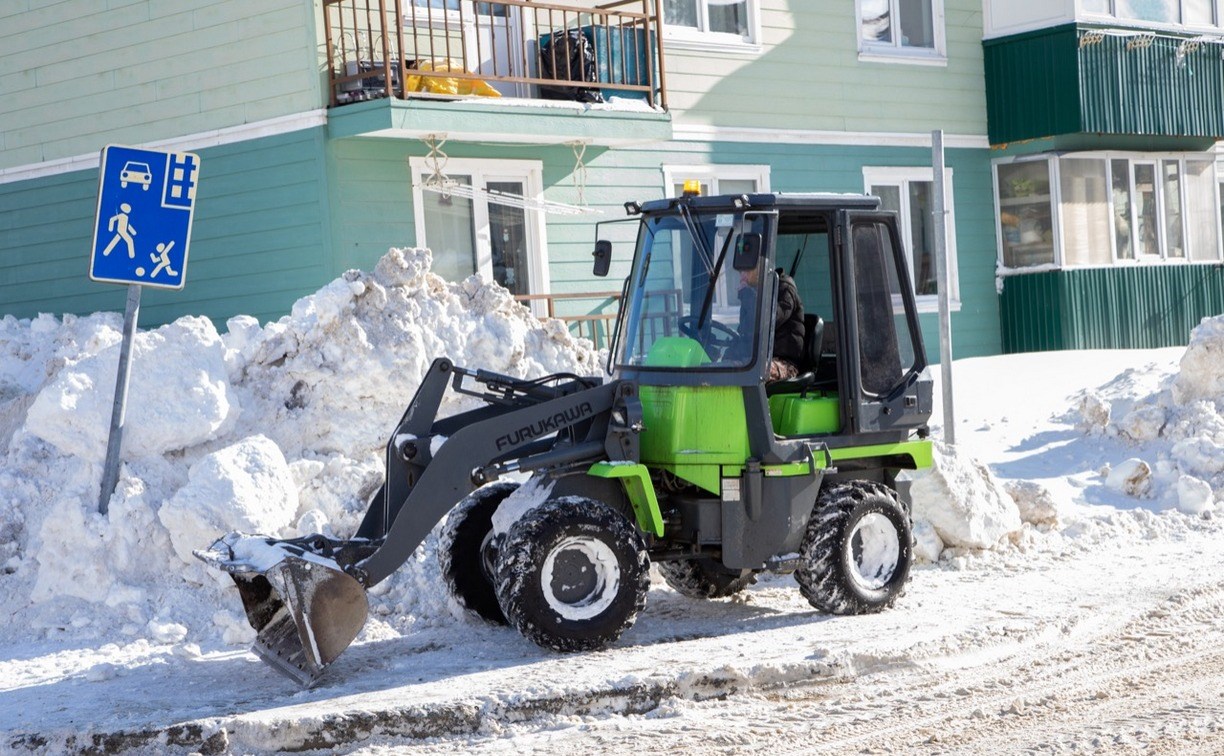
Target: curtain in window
(1165, 11)
(449, 232)
(1201, 211)
(1087, 227)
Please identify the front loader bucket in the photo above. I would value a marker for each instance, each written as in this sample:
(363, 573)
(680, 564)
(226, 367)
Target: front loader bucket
(305, 609)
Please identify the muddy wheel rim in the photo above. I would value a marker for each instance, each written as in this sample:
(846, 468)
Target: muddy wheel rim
(580, 577)
(875, 551)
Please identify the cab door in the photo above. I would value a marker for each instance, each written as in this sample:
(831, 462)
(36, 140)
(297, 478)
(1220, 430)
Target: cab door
(883, 340)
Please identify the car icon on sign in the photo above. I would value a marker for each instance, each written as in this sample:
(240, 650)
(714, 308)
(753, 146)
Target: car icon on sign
(135, 173)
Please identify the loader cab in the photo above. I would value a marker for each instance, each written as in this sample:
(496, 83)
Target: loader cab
(696, 328)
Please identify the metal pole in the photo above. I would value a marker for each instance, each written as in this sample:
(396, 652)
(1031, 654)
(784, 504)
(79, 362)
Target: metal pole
(110, 473)
(940, 217)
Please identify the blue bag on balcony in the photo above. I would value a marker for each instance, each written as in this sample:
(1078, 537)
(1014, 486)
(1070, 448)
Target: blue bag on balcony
(568, 56)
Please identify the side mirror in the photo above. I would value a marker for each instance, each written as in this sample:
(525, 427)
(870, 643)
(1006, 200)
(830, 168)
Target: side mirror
(748, 254)
(603, 257)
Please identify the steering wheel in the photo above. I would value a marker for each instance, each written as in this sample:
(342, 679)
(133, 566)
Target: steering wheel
(723, 335)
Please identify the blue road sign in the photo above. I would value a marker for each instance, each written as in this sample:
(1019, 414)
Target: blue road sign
(146, 200)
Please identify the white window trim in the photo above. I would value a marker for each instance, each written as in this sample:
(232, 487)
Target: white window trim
(531, 173)
(897, 176)
(897, 53)
(677, 174)
(688, 39)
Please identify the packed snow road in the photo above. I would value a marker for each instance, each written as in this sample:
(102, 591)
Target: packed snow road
(1093, 656)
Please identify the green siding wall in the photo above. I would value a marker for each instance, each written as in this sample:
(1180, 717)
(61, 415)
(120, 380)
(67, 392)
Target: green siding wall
(1046, 83)
(808, 76)
(278, 217)
(78, 74)
(258, 243)
(1133, 307)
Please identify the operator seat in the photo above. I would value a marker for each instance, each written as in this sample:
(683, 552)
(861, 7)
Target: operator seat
(813, 340)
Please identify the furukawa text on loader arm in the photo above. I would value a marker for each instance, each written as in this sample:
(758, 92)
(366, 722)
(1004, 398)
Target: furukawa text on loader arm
(684, 456)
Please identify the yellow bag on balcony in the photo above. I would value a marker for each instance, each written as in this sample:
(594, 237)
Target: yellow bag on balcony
(447, 85)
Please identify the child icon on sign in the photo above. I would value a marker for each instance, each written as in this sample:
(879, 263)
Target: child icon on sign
(162, 258)
(120, 225)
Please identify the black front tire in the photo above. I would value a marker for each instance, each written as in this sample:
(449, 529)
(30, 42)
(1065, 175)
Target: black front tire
(465, 551)
(704, 579)
(572, 574)
(856, 554)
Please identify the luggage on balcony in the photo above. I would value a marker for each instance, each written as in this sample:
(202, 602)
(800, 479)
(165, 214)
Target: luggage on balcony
(568, 56)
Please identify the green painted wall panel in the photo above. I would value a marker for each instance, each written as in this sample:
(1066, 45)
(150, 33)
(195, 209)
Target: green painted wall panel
(135, 73)
(1059, 81)
(260, 239)
(808, 76)
(1109, 308)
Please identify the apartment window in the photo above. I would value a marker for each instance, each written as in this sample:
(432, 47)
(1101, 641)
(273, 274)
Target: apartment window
(1107, 209)
(471, 231)
(734, 23)
(910, 192)
(1178, 12)
(902, 30)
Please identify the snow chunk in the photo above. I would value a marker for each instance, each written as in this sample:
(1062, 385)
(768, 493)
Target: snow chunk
(1132, 477)
(178, 395)
(244, 487)
(1033, 501)
(1193, 495)
(927, 543)
(964, 502)
(1202, 366)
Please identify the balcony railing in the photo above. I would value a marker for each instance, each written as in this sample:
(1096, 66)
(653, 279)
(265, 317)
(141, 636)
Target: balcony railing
(515, 48)
(599, 310)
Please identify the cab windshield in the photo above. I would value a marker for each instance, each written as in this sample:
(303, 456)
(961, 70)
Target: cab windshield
(686, 306)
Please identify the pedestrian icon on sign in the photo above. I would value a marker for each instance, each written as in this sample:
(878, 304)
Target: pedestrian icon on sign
(120, 223)
(152, 191)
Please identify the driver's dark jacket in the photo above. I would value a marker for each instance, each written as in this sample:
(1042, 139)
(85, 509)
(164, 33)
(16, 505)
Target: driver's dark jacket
(788, 319)
(788, 322)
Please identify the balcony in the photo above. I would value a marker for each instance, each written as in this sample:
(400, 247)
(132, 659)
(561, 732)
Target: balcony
(518, 70)
(1079, 79)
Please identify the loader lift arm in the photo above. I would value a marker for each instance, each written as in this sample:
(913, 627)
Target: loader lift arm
(305, 597)
(526, 425)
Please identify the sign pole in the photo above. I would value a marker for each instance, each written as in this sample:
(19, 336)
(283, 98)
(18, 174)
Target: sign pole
(942, 278)
(110, 473)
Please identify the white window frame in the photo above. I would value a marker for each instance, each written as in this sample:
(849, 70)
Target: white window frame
(901, 177)
(895, 52)
(711, 175)
(700, 39)
(1112, 17)
(531, 173)
(1157, 159)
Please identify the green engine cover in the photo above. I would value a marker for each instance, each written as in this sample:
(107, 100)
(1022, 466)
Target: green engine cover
(692, 430)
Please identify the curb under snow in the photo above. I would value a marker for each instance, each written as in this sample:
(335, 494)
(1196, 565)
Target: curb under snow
(266, 732)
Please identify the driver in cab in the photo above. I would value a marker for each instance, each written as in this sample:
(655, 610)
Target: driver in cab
(788, 321)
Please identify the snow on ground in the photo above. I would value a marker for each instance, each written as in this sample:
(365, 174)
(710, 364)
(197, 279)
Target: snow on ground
(1065, 463)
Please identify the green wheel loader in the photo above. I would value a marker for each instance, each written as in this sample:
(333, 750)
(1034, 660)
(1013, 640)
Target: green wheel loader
(683, 456)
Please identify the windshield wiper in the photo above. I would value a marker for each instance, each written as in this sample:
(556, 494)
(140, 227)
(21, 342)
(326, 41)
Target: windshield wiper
(709, 295)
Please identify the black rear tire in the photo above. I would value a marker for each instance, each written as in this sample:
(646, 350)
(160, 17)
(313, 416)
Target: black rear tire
(465, 551)
(856, 553)
(704, 579)
(572, 574)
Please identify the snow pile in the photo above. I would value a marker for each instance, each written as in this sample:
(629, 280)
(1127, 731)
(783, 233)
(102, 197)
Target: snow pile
(963, 502)
(276, 429)
(1174, 423)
